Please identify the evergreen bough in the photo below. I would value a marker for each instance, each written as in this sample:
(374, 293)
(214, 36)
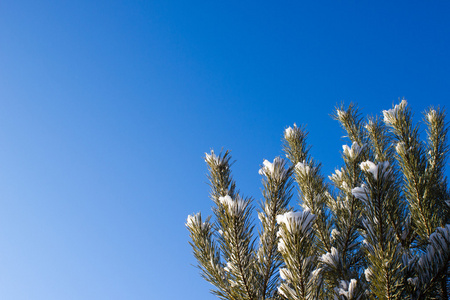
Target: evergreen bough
(377, 229)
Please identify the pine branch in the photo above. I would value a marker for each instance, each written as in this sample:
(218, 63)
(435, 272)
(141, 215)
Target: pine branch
(313, 191)
(432, 267)
(412, 161)
(382, 248)
(277, 194)
(296, 245)
(382, 233)
(347, 208)
(437, 131)
(207, 254)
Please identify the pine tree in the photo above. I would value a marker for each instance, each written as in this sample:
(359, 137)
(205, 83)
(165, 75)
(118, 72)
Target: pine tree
(377, 229)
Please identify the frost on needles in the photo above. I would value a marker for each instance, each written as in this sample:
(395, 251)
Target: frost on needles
(378, 228)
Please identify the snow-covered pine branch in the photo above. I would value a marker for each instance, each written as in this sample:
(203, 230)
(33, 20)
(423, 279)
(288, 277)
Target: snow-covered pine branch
(378, 229)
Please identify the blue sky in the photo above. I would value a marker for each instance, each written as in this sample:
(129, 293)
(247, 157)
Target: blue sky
(107, 108)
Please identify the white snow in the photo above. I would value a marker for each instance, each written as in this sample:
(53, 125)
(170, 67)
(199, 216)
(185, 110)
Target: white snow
(303, 167)
(301, 221)
(229, 267)
(348, 290)
(400, 147)
(275, 169)
(284, 273)
(288, 132)
(353, 151)
(368, 273)
(334, 233)
(331, 258)
(281, 245)
(235, 206)
(374, 169)
(283, 287)
(370, 167)
(192, 219)
(431, 116)
(267, 167)
(226, 201)
(261, 216)
(391, 115)
(316, 275)
(361, 192)
(337, 175)
(212, 157)
(437, 252)
(341, 114)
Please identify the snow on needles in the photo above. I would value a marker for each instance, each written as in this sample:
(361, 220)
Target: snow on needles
(361, 192)
(348, 290)
(353, 151)
(368, 274)
(437, 255)
(370, 167)
(275, 169)
(292, 133)
(337, 176)
(297, 221)
(390, 116)
(268, 167)
(431, 116)
(303, 167)
(285, 274)
(213, 158)
(191, 219)
(195, 221)
(341, 114)
(400, 148)
(294, 223)
(234, 207)
(331, 258)
(288, 133)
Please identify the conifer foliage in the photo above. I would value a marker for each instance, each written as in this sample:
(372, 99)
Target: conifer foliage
(378, 228)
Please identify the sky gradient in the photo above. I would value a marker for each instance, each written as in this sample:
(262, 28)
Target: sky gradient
(107, 109)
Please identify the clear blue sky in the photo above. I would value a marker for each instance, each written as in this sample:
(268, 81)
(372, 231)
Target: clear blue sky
(107, 108)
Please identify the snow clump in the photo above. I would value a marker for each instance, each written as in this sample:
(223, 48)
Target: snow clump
(353, 151)
(234, 207)
(274, 170)
(390, 116)
(370, 167)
